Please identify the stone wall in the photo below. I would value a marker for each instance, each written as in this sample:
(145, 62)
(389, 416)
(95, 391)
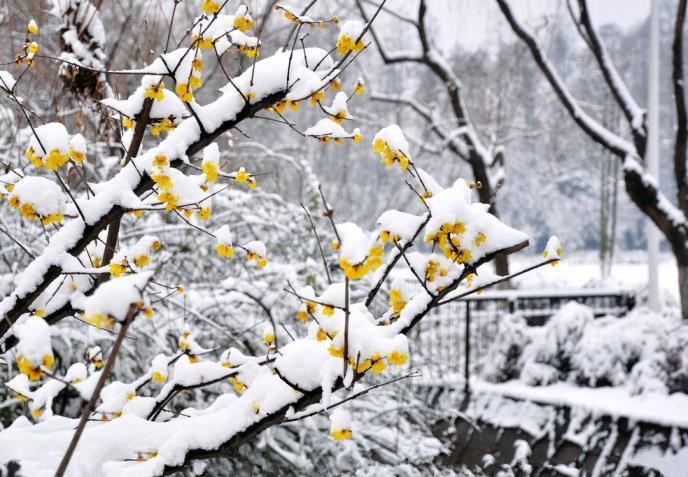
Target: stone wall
(495, 432)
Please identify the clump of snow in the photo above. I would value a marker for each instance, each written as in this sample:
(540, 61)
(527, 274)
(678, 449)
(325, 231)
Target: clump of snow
(327, 129)
(553, 248)
(7, 81)
(34, 341)
(44, 196)
(166, 105)
(506, 352)
(114, 298)
(398, 226)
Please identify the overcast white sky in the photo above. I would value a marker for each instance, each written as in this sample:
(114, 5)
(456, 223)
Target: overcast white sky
(471, 22)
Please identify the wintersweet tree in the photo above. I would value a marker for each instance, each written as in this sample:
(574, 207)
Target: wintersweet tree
(326, 328)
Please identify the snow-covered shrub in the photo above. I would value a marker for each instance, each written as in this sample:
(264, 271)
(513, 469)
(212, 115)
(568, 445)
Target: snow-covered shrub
(503, 359)
(644, 350)
(537, 373)
(609, 349)
(554, 347)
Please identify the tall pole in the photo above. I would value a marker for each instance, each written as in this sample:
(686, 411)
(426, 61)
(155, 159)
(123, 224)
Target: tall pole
(653, 153)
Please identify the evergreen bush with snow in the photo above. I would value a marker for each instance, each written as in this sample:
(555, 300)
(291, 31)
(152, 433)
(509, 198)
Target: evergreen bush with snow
(643, 351)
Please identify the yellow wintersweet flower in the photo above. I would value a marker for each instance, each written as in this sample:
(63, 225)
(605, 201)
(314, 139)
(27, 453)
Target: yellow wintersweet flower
(242, 23)
(117, 269)
(239, 387)
(32, 28)
(327, 310)
(241, 176)
(204, 213)
(359, 88)
(34, 373)
(210, 7)
(346, 44)
(379, 366)
(396, 301)
(155, 92)
(224, 250)
(162, 126)
(397, 358)
(341, 434)
(142, 260)
(211, 171)
(202, 42)
(197, 64)
(159, 377)
(195, 82)
(77, 156)
(27, 211)
(160, 160)
(280, 106)
(52, 219)
(364, 365)
(163, 181)
(336, 352)
(55, 159)
(36, 160)
(100, 320)
(184, 92)
(316, 97)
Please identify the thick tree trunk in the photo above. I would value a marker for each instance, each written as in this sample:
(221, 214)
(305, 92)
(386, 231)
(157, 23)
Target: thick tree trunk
(683, 288)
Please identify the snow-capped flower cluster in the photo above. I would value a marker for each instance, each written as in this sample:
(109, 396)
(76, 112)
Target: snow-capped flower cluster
(465, 232)
(34, 350)
(392, 146)
(37, 198)
(552, 249)
(256, 252)
(115, 299)
(51, 147)
(135, 257)
(351, 37)
(358, 251)
(221, 32)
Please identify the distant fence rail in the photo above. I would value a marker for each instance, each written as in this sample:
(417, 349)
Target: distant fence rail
(451, 343)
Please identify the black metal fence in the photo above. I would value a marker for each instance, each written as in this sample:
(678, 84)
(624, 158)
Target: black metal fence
(451, 343)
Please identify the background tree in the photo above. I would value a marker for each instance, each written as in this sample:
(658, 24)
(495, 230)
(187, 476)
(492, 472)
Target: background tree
(640, 186)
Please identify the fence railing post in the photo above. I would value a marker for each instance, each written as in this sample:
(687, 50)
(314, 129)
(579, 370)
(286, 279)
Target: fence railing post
(467, 350)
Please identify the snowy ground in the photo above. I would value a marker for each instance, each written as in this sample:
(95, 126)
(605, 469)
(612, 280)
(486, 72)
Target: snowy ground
(657, 408)
(581, 270)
